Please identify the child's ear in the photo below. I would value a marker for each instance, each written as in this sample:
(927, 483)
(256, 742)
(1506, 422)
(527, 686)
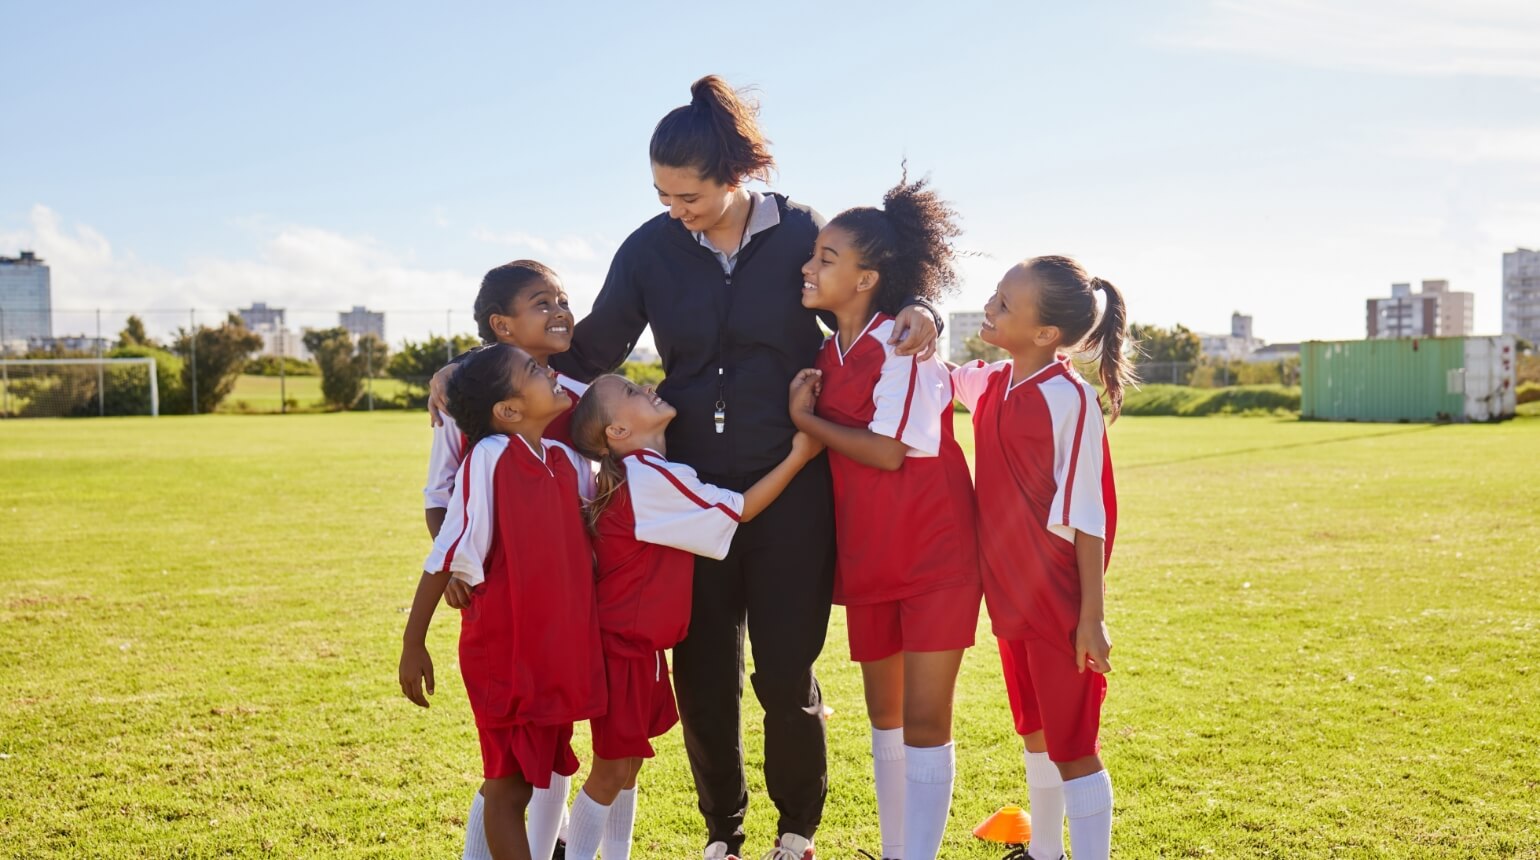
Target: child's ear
(500, 324)
(1047, 334)
(867, 281)
(508, 410)
(616, 432)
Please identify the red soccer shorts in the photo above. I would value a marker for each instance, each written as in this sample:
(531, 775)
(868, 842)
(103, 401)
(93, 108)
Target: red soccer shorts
(533, 752)
(1048, 693)
(941, 620)
(641, 706)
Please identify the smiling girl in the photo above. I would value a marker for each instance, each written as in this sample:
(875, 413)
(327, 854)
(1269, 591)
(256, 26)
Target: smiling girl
(907, 567)
(515, 547)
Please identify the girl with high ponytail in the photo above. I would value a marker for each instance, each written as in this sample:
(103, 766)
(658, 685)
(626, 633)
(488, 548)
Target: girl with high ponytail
(907, 565)
(1045, 485)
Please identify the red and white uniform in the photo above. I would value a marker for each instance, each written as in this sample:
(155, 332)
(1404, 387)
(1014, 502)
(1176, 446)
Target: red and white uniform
(529, 641)
(448, 449)
(907, 564)
(652, 527)
(1044, 473)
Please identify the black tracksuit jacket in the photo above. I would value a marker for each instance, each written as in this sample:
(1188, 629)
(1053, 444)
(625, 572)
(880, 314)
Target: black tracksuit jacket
(662, 276)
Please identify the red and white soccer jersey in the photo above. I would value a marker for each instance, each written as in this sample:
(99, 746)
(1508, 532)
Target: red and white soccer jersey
(1043, 473)
(909, 531)
(646, 540)
(448, 449)
(529, 641)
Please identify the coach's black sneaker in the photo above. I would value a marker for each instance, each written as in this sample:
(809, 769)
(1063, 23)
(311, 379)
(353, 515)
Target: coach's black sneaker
(868, 855)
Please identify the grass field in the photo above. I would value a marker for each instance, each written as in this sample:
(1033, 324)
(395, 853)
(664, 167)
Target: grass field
(1327, 645)
(265, 394)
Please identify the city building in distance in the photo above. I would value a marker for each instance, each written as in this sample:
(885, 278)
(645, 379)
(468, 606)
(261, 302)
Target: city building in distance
(961, 325)
(361, 321)
(1239, 344)
(1521, 294)
(1434, 312)
(26, 302)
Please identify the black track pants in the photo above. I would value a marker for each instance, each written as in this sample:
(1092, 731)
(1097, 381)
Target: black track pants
(779, 577)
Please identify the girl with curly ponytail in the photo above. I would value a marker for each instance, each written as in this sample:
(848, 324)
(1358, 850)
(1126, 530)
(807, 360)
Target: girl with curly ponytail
(907, 566)
(1044, 467)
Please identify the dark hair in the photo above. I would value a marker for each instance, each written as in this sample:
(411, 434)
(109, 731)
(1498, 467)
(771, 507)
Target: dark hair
(907, 242)
(717, 134)
(1068, 300)
(501, 286)
(482, 379)
(589, 421)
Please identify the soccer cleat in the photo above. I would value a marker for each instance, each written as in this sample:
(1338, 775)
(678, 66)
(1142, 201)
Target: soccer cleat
(868, 855)
(790, 847)
(718, 851)
(1009, 825)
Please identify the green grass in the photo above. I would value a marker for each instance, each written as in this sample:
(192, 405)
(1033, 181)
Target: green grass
(1327, 645)
(262, 394)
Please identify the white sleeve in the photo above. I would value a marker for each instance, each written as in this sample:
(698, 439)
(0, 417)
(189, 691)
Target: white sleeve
(443, 463)
(673, 507)
(1078, 433)
(463, 543)
(910, 397)
(584, 467)
(970, 380)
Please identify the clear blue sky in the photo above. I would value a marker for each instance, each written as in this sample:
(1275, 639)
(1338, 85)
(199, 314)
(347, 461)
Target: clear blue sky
(1287, 158)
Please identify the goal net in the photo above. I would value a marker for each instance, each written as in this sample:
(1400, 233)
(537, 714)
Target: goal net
(78, 387)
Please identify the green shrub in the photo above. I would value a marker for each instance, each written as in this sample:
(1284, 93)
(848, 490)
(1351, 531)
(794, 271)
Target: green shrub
(1529, 392)
(1191, 402)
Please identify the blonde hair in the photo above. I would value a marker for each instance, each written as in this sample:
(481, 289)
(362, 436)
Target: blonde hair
(590, 420)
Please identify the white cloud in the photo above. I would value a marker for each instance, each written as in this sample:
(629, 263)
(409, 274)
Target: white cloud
(1496, 38)
(312, 272)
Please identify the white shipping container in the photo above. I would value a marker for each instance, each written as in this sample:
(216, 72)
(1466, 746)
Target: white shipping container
(1489, 379)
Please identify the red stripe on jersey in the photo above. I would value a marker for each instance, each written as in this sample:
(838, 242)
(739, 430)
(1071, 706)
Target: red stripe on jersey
(914, 373)
(1074, 452)
(685, 491)
(465, 517)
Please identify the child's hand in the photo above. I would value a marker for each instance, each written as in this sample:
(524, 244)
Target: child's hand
(1092, 646)
(805, 447)
(457, 595)
(416, 668)
(438, 394)
(804, 392)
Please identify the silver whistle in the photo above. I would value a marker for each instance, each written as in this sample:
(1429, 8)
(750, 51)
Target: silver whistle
(720, 416)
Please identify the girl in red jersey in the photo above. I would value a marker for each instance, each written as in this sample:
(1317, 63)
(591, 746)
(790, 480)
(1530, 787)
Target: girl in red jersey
(648, 516)
(515, 545)
(522, 304)
(907, 567)
(1045, 479)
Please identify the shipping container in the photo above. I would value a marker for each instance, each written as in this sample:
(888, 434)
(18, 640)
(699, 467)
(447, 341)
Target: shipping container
(1409, 379)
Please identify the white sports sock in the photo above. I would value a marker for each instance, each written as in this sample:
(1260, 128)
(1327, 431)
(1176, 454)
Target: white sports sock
(888, 771)
(1045, 791)
(928, 775)
(585, 829)
(1088, 802)
(617, 833)
(547, 810)
(476, 832)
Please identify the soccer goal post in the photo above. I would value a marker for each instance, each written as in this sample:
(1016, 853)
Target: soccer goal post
(66, 387)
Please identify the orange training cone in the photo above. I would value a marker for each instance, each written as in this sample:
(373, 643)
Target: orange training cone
(1009, 825)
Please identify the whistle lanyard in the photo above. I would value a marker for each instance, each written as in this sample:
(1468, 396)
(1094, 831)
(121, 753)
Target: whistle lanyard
(719, 415)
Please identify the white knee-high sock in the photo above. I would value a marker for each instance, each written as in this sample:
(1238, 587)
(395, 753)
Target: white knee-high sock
(547, 808)
(1088, 802)
(928, 775)
(617, 833)
(1045, 791)
(585, 829)
(888, 771)
(476, 832)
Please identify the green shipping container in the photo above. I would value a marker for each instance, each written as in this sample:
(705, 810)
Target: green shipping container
(1408, 379)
